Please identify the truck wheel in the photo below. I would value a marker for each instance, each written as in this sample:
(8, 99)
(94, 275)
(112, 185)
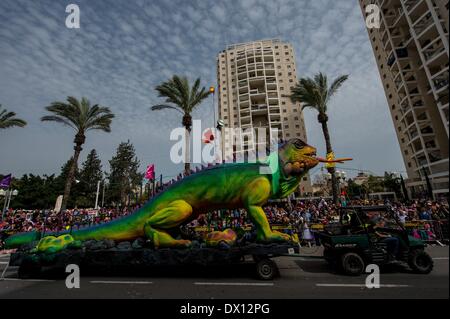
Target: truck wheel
(420, 262)
(266, 269)
(352, 264)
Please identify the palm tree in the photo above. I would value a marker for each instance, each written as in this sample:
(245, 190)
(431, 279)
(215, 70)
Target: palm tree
(7, 119)
(315, 94)
(183, 99)
(82, 117)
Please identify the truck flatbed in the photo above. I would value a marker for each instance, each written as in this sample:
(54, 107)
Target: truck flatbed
(139, 259)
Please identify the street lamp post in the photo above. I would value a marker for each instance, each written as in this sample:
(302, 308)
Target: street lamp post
(97, 194)
(8, 195)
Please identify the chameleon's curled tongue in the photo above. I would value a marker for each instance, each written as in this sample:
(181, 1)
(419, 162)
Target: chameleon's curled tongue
(336, 160)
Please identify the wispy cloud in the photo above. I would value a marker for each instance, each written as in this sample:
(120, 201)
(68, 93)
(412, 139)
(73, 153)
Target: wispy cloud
(125, 48)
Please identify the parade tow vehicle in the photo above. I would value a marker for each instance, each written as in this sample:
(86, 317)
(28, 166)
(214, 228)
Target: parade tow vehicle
(356, 242)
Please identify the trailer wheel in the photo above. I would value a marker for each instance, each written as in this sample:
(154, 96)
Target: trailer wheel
(266, 269)
(352, 264)
(420, 262)
(29, 269)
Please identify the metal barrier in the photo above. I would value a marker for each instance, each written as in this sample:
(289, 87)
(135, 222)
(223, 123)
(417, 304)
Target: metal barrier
(429, 230)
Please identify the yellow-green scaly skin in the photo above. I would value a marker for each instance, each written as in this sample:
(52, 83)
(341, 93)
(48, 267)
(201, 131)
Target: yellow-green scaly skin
(228, 186)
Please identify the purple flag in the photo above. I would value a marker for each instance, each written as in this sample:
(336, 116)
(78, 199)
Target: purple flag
(6, 181)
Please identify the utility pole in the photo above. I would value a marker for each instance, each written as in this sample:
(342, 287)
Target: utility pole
(4, 205)
(103, 195)
(96, 195)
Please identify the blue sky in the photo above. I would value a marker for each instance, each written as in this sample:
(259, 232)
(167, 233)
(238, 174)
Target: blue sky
(123, 49)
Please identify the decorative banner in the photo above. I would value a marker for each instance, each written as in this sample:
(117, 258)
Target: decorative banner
(6, 181)
(150, 173)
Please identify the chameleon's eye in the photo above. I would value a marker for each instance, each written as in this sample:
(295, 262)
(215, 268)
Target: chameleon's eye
(299, 144)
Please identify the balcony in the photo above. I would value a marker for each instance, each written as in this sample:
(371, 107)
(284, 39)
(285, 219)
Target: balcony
(400, 53)
(423, 24)
(412, 5)
(259, 107)
(254, 92)
(399, 20)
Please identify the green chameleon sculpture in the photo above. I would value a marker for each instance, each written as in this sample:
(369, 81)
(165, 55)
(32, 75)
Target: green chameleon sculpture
(231, 186)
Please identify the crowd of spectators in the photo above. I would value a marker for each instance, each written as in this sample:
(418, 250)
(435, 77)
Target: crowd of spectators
(15, 221)
(297, 215)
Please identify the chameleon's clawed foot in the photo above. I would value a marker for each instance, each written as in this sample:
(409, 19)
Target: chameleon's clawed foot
(274, 236)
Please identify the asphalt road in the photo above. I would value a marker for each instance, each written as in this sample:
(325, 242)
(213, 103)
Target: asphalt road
(300, 278)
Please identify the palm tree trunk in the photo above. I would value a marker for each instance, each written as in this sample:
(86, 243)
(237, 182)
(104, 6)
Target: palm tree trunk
(71, 176)
(187, 164)
(331, 170)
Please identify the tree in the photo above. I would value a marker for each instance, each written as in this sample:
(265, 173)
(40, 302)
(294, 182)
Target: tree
(35, 192)
(61, 179)
(316, 94)
(90, 175)
(82, 117)
(354, 190)
(124, 174)
(183, 99)
(392, 183)
(8, 119)
(374, 184)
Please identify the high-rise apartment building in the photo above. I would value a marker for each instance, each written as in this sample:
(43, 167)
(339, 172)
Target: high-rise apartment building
(412, 52)
(253, 82)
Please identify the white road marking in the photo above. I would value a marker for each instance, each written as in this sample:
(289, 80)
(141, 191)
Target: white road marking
(4, 262)
(121, 282)
(361, 286)
(257, 284)
(440, 258)
(30, 280)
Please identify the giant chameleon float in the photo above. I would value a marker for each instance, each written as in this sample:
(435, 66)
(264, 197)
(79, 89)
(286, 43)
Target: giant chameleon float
(230, 186)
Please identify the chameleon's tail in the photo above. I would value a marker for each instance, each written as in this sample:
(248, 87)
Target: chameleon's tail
(17, 240)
